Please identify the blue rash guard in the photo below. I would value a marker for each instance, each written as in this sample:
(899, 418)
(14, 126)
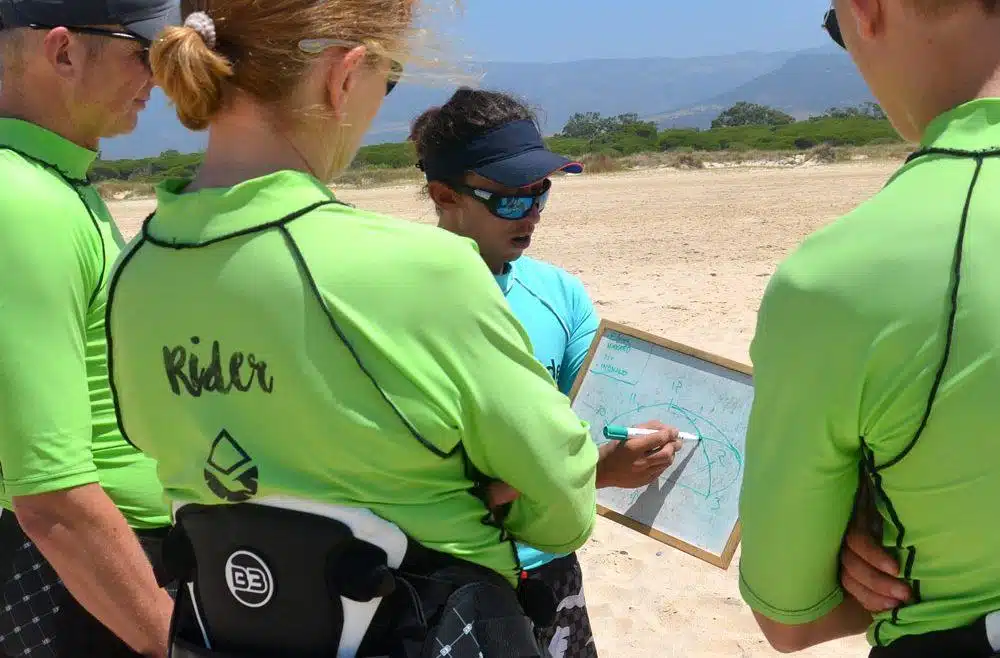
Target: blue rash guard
(560, 320)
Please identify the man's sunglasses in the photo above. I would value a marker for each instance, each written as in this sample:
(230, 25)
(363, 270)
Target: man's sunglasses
(507, 206)
(111, 34)
(832, 27)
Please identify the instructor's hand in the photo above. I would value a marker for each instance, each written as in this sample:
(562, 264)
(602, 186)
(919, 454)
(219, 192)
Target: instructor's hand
(869, 574)
(500, 493)
(639, 461)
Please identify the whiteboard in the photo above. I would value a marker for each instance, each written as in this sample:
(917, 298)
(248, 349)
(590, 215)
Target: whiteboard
(631, 377)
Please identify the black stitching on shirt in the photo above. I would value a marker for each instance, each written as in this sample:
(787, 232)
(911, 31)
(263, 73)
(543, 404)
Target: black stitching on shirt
(873, 471)
(956, 276)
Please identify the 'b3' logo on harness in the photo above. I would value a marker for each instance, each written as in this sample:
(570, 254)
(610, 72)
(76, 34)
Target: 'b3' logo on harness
(249, 579)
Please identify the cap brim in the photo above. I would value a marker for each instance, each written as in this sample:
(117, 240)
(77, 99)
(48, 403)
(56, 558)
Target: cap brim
(526, 168)
(150, 28)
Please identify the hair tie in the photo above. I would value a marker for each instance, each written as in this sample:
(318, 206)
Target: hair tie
(203, 24)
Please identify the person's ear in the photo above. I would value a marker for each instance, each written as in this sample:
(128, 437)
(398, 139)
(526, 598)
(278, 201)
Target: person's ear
(868, 17)
(64, 53)
(443, 196)
(342, 77)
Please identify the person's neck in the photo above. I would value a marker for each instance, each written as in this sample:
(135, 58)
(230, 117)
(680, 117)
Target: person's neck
(956, 93)
(496, 268)
(242, 146)
(15, 104)
(990, 88)
(967, 70)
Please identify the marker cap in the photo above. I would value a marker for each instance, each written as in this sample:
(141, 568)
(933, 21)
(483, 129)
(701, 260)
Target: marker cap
(617, 432)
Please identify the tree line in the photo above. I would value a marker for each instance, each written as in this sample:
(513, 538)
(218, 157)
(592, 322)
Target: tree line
(742, 127)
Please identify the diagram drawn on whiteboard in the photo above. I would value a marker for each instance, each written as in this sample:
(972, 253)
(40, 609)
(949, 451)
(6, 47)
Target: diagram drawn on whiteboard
(629, 381)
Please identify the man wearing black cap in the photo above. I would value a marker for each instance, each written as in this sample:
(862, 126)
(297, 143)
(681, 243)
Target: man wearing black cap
(78, 503)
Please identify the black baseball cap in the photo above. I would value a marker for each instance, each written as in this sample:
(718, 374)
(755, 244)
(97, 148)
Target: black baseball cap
(143, 18)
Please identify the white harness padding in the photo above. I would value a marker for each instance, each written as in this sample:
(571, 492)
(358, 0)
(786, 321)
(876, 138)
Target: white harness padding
(993, 630)
(366, 527)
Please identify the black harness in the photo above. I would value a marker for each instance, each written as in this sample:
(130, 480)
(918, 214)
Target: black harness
(257, 581)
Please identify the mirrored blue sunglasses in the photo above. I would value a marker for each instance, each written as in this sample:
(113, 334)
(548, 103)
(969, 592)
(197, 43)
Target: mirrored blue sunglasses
(507, 206)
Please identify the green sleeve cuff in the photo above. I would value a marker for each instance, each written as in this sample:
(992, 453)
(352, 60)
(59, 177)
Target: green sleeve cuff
(48, 483)
(791, 617)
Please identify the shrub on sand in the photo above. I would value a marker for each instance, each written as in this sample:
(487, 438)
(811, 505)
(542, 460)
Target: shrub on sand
(601, 163)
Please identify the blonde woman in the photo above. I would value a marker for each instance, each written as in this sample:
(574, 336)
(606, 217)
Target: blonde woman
(358, 377)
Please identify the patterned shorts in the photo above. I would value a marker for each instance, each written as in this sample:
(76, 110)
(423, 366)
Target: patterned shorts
(39, 618)
(569, 635)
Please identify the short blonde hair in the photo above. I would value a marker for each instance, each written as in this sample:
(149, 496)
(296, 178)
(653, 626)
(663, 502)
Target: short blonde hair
(11, 53)
(256, 49)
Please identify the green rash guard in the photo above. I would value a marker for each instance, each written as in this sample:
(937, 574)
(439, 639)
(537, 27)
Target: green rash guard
(267, 340)
(57, 242)
(869, 349)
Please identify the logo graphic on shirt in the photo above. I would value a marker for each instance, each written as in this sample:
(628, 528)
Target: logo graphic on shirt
(229, 470)
(249, 580)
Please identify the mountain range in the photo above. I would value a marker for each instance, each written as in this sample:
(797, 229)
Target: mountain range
(673, 92)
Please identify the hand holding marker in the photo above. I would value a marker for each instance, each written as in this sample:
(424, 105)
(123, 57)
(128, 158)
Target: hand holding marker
(621, 433)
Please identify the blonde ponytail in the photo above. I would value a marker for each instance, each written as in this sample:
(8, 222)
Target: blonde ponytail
(190, 72)
(254, 46)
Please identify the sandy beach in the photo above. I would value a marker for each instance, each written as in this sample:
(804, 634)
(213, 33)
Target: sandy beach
(685, 255)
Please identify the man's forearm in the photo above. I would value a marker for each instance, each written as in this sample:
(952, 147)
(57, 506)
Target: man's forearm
(99, 559)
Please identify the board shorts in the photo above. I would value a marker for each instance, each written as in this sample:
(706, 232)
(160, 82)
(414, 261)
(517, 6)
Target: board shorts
(569, 634)
(39, 618)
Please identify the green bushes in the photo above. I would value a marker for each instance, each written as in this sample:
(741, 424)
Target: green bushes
(801, 136)
(169, 164)
(599, 138)
(388, 156)
(743, 127)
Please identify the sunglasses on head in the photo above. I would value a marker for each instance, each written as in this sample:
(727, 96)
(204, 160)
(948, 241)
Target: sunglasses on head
(316, 46)
(507, 206)
(832, 27)
(144, 44)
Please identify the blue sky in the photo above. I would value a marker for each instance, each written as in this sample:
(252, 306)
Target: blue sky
(562, 30)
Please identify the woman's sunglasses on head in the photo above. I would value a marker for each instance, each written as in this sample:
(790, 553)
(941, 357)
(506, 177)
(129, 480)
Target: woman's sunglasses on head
(316, 46)
(143, 53)
(832, 27)
(507, 206)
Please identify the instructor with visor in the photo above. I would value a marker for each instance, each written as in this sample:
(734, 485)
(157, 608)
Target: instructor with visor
(489, 174)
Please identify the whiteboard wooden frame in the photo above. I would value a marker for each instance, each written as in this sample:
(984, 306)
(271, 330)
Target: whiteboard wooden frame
(721, 561)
